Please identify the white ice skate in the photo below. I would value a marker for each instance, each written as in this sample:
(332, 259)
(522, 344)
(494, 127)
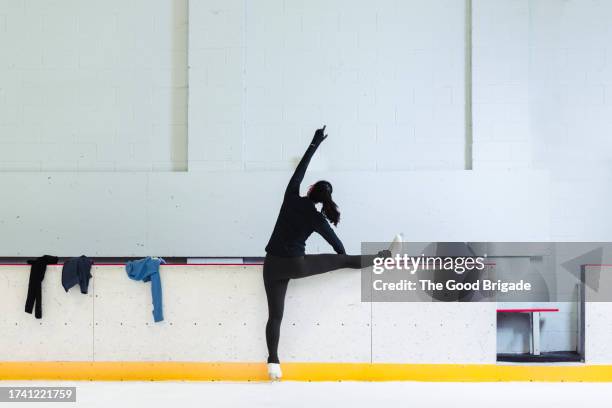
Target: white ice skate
(274, 372)
(396, 245)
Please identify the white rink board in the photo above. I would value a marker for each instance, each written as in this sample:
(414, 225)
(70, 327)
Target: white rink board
(218, 313)
(65, 330)
(598, 329)
(439, 333)
(325, 319)
(209, 313)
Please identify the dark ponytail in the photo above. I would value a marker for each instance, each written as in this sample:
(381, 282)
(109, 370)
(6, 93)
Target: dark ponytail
(330, 210)
(321, 192)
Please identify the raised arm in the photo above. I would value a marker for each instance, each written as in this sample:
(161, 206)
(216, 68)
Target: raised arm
(294, 183)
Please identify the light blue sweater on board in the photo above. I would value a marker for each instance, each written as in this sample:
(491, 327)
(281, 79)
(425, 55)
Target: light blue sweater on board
(145, 270)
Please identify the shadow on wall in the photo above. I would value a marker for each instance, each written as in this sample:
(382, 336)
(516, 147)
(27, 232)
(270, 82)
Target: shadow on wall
(179, 75)
(512, 333)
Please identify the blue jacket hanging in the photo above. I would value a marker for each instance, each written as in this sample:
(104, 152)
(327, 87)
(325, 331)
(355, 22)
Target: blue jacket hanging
(77, 271)
(145, 270)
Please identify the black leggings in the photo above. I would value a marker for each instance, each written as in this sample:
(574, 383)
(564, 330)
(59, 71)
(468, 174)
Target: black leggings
(278, 270)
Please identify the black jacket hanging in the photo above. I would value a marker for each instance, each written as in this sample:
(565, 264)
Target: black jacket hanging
(77, 270)
(37, 274)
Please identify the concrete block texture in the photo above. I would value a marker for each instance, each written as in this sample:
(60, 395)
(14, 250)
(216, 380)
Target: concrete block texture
(276, 70)
(102, 72)
(218, 314)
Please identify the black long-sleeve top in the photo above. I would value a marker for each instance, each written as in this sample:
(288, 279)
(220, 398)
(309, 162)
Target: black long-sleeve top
(298, 218)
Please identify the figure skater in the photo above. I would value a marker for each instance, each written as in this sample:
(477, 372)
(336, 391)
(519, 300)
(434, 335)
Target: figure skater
(285, 252)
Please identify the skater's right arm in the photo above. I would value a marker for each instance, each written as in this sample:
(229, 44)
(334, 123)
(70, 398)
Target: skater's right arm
(322, 227)
(294, 183)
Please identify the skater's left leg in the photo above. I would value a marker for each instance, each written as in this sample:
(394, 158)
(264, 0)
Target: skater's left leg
(310, 265)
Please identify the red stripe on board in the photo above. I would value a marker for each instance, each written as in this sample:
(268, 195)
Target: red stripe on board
(195, 264)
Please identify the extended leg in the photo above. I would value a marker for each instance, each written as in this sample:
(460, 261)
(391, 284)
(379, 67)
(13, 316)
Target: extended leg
(275, 291)
(316, 264)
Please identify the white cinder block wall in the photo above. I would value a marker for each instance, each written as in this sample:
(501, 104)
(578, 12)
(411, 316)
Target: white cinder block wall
(542, 80)
(542, 72)
(387, 77)
(93, 86)
(500, 84)
(82, 90)
(571, 113)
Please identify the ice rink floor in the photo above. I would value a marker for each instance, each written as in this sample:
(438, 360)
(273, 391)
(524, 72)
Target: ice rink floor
(329, 394)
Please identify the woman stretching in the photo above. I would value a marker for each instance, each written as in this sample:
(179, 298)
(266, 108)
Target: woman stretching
(285, 252)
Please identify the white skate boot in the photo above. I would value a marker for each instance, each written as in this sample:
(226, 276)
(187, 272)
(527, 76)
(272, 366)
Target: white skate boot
(274, 371)
(396, 245)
